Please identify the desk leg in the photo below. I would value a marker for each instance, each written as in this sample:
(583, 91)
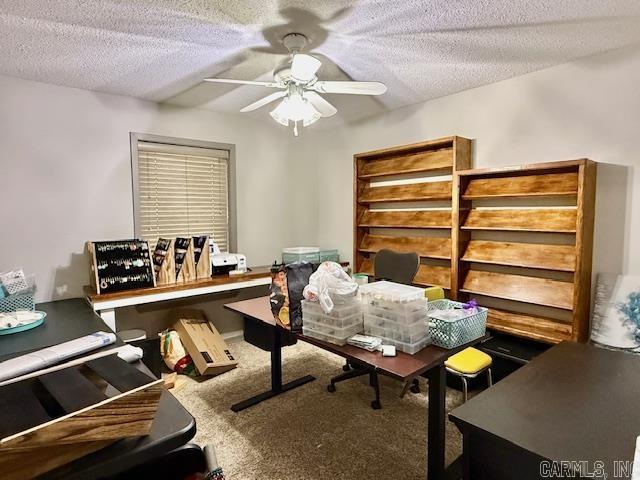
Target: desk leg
(277, 387)
(437, 377)
(109, 317)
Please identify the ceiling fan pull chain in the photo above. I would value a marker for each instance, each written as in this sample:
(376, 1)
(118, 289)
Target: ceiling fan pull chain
(295, 128)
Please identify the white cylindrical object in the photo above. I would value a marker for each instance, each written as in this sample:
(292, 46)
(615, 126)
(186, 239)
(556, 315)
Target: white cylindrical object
(30, 362)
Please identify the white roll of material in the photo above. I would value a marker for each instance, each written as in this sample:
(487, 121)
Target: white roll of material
(19, 366)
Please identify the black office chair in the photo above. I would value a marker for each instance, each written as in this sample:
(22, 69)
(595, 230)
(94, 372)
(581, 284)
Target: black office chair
(395, 267)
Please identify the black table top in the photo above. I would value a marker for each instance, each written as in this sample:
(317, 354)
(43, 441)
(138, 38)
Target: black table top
(573, 402)
(65, 320)
(172, 427)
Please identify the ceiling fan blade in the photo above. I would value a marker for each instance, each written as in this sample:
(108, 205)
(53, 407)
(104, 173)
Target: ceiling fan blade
(242, 82)
(320, 104)
(263, 101)
(304, 67)
(353, 88)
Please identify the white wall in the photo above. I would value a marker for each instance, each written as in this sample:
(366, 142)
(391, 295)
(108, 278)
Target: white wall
(65, 178)
(65, 165)
(588, 108)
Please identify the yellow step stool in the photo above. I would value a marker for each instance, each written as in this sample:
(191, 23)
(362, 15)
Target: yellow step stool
(469, 363)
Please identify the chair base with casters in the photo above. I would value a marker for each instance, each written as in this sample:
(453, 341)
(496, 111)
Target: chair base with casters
(411, 385)
(353, 370)
(469, 363)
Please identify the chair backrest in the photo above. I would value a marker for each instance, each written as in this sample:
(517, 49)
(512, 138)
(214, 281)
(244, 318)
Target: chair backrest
(395, 266)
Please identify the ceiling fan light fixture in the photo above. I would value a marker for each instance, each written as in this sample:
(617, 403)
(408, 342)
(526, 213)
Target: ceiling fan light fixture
(295, 108)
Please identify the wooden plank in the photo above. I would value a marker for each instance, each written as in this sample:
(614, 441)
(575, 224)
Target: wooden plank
(529, 326)
(527, 167)
(427, 274)
(406, 219)
(550, 184)
(529, 220)
(461, 160)
(20, 408)
(125, 415)
(426, 247)
(549, 257)
(256, 272)
(584, 245)
(119, 373)
(434, 160)
(540, 291)
(20, 464)
(407, 193)
(72, 390)
(406, 149)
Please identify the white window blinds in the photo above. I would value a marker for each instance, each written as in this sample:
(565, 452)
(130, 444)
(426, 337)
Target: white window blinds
(183, 191)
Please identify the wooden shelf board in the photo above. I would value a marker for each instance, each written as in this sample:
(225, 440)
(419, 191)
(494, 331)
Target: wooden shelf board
(425, 161)
(427, 274)
(406, 219)
(530, 167)
(520, 288)
(529, 326)
(445, 142)
(548, 257)
(542, 185)
(407, 193)
(425, 247)
(552, 220)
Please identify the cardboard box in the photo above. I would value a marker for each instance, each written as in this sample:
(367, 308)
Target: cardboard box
(203, 343)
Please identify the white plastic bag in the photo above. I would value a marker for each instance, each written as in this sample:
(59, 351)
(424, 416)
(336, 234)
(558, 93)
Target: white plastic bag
(330, 284)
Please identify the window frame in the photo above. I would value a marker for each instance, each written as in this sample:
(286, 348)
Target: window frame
(134, 138)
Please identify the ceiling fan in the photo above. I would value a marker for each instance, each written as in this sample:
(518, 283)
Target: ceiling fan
(299, 88)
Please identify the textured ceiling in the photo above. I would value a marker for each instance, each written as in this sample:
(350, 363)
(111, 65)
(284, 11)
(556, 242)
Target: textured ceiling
(161, 49)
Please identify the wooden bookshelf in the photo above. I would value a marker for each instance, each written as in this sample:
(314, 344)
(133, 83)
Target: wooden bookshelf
(432, 164)
(537, 270)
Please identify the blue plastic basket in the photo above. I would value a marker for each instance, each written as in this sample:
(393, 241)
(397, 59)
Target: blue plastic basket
(453, 333)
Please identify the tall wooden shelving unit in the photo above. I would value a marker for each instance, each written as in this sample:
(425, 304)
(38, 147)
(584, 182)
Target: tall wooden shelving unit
(373, 228)
(536, 268)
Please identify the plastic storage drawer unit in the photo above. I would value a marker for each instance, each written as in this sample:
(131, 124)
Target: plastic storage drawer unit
(329, 256)
(300, 254)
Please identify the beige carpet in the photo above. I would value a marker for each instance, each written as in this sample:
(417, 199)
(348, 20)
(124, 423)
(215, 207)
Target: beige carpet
(309, 433)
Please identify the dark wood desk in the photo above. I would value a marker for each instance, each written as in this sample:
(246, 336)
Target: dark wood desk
(172, 427)
(429, 363)
(574, 402)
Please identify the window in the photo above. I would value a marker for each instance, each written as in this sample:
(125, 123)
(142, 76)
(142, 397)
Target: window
(182, 188)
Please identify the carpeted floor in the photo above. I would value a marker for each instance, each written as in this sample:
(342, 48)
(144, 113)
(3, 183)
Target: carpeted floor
(309, 433)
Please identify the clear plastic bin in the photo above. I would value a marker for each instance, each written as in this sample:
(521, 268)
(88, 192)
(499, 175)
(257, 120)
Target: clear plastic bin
(329, 256)
(402, 317)
(344, 332)
(300, 254)
(407, 336)
(339, 310)
(410, 348)
(310, 332)
(407, 347)
(393, 296)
